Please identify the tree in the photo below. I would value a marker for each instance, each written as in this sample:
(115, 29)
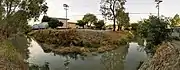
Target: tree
(14, 14)
(46, 19)
(134, 26)
(2, 10)
(109, 9)
(122, 19)
(81, 23)
(33, 8)
(100, 24)
(155, 31)
(175, 20)
(54, 23)
(90, 19)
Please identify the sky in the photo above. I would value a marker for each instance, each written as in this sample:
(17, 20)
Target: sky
(78, 8)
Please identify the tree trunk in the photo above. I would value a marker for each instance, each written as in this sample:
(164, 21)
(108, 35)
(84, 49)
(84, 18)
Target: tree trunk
(90, 25)
(119, 27)
(83, 27)
(114, 26)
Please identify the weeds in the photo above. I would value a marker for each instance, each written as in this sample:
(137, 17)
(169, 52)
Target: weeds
(100, 41)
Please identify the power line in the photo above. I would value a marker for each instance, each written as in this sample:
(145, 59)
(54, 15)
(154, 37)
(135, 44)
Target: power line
(129, 13)
(139, 3)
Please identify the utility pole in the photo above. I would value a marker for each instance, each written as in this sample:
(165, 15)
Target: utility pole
(66, 9)
(158, 2)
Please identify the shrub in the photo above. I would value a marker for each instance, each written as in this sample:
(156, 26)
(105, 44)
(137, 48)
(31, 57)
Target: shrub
(154, 30)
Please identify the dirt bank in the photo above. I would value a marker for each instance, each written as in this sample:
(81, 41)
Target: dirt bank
(80, 41)
(167, 57)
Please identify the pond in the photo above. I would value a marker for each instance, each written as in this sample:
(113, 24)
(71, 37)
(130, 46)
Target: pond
(124, 58)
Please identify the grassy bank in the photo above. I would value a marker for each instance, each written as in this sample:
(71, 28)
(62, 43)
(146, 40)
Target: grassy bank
(166, 57)
(79, 41)
(10, 59)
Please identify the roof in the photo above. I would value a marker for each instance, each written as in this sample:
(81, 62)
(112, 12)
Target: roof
(59, 18)
(71, 23)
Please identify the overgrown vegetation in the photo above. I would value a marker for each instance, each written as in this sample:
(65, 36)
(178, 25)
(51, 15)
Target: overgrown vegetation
(100, 24)
(14, 17)
(11, 59)
(101, 41)
(81, 23)
(154, 30)
(15, 14)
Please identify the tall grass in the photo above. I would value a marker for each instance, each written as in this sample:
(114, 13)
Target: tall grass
(11, 58)
(90, 39)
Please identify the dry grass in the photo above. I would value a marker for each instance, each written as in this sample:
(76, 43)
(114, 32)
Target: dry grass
(10, 59)
(69, 41)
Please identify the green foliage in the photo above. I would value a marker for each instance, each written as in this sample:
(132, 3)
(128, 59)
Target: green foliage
(100, 24)
(81, 23)
(2, 10)
(33, 7)
(143, 28)
(14, 15)
(90, 18)
(54, 23)
(109, 9)
(134, 26)
(154, 30)
(46, 19)
(122, 18)
(175, 20)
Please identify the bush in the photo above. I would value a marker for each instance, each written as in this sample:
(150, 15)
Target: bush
(66, 38)
(54, 23)
(154, 30)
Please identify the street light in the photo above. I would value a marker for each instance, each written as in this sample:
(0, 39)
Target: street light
(66, 8)
(158, 2)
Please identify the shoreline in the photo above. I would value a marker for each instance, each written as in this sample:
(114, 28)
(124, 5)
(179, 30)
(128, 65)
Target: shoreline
(78, 50)
(90, 41)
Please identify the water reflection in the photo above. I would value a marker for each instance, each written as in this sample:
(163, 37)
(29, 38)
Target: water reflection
(36, 67)
(114, 60)
(135, 56)
(124, 58)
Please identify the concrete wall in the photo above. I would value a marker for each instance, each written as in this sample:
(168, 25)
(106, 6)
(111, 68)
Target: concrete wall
(71, 25)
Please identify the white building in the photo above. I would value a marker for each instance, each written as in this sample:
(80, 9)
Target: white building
(63, 20)
(43, 25)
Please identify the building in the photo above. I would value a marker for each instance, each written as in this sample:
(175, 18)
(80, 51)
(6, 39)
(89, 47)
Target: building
(43, 25)
(63, 20)
(72, 25)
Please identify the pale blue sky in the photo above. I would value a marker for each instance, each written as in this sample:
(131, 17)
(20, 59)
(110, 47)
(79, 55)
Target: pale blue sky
(80, 7)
